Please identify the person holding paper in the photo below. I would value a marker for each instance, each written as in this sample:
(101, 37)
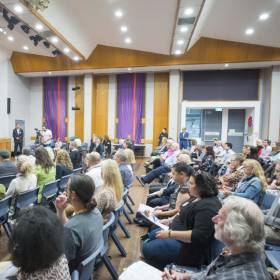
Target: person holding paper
(188, 240)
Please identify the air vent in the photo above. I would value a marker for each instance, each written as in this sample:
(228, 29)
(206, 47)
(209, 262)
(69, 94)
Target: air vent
(184, 21)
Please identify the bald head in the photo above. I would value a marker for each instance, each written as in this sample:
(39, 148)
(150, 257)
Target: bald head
(93, 159)
(184, 157)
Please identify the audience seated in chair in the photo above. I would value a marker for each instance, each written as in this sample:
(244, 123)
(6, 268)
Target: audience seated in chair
(130, 154)
(7, 166)
(240, 226)
(76, 154)
(124, 167)
(64, 165)
(27, 152)
(110, 194)
(26, 179)
(83, 231)
(93, 165)
(253, 185)
(36, 246)
(44, 169)
(208, 159)
(188, 240)
(275, 184)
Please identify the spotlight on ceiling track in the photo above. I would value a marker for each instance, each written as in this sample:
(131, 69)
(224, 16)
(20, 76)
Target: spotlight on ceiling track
(36, 39)
(56, 52)
(46, 44)
(12, 21)
(25, 28)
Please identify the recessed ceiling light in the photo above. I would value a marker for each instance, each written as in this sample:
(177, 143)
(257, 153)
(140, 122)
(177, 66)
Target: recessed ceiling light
(25, 48)
(66, 50)
(188, 11)
(10, 38)
(127, 40)
(249, 31)
(39, 26)
(123, 28)
(129, 69)
(184, 29)
(264, 16)
(226, 65)
(54, 40)
(49, 72)
(178, 52)
(18, 9)
(76, 58)
(180, 42)
(118, 13)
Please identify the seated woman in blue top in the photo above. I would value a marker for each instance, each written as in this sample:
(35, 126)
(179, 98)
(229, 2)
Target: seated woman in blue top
(253, 183)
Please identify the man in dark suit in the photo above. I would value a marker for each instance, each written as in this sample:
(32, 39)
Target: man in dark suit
(184, 139)
(18, 139)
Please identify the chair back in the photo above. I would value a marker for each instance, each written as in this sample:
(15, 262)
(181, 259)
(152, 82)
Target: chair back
(6, 180)
(77, 170)
(5, 204)
(86, 267)
(63, 182)
(273, 257)
(125, 194)
(50, 190)
(26, 199)
(106, 231)
(267, 200)
(216, 248)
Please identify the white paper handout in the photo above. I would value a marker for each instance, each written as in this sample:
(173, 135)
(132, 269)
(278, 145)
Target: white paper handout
(152, 218)
(139, 271)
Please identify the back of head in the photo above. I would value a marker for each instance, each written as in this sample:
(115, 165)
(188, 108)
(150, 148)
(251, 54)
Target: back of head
(43, 159)
(24, 166)
(4, 154)
(26, 151)
(37, 239)
(184, 157)
(77, 142)
(244, 224)
(93, 158)
(63, 158)
(121, 155)
(206, 184)
(84, 188)
(112, 177)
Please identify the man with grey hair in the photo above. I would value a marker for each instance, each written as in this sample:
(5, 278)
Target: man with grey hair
(126, 172)
(93, 164)
(240, 226)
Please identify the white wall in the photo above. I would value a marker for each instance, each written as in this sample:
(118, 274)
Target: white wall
(36, 106)
(112, 105)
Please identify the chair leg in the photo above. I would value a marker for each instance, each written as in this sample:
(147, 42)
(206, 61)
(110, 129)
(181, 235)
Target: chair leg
(127, 217)
(110, 267)
(130, 199)
(129, 207)
(7, 229)
(118, 244)
(124, 229)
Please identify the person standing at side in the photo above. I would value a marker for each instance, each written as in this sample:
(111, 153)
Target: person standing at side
(18, 139)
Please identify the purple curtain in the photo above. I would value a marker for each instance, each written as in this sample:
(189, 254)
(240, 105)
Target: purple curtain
(131, 89)
(55, 106)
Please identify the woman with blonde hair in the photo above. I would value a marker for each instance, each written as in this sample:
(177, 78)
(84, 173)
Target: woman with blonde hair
(130, 154)
(110, 194)
(64, 165)
(26, 178)
(253, 183)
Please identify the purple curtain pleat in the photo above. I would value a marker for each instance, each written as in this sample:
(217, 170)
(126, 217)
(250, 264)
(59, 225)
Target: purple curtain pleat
(126, 105)
(51, 106)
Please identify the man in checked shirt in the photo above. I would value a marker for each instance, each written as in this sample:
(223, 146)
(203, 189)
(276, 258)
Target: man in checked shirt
(240, 226)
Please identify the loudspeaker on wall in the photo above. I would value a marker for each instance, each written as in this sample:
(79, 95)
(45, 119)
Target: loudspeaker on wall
(8, 105)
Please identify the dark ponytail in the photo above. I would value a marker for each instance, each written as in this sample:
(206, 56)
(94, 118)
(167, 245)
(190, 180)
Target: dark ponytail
(84, 187)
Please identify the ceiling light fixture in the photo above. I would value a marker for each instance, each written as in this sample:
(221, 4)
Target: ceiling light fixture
(127, 40)
(226, 65)
(39, 27)
(56, 52)
(66, 50)
(264, 16)
(178, 52)
(49, 72)
(18, 9)
(129, 69)
(25, 28)
(12, 20)
(36, 39)
(11, 38)
(188, 11)
(54, 40)
(25, 48)
(249, 31)
(46, 44)
(76, 58)
(123, 28)
(118, 13)
(183, 29)
(180, 42)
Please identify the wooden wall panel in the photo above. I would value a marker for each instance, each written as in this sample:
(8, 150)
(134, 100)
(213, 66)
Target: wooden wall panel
(5, 144)
(161, 100)
(79, 102)
(100, 105)
(205, 51)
